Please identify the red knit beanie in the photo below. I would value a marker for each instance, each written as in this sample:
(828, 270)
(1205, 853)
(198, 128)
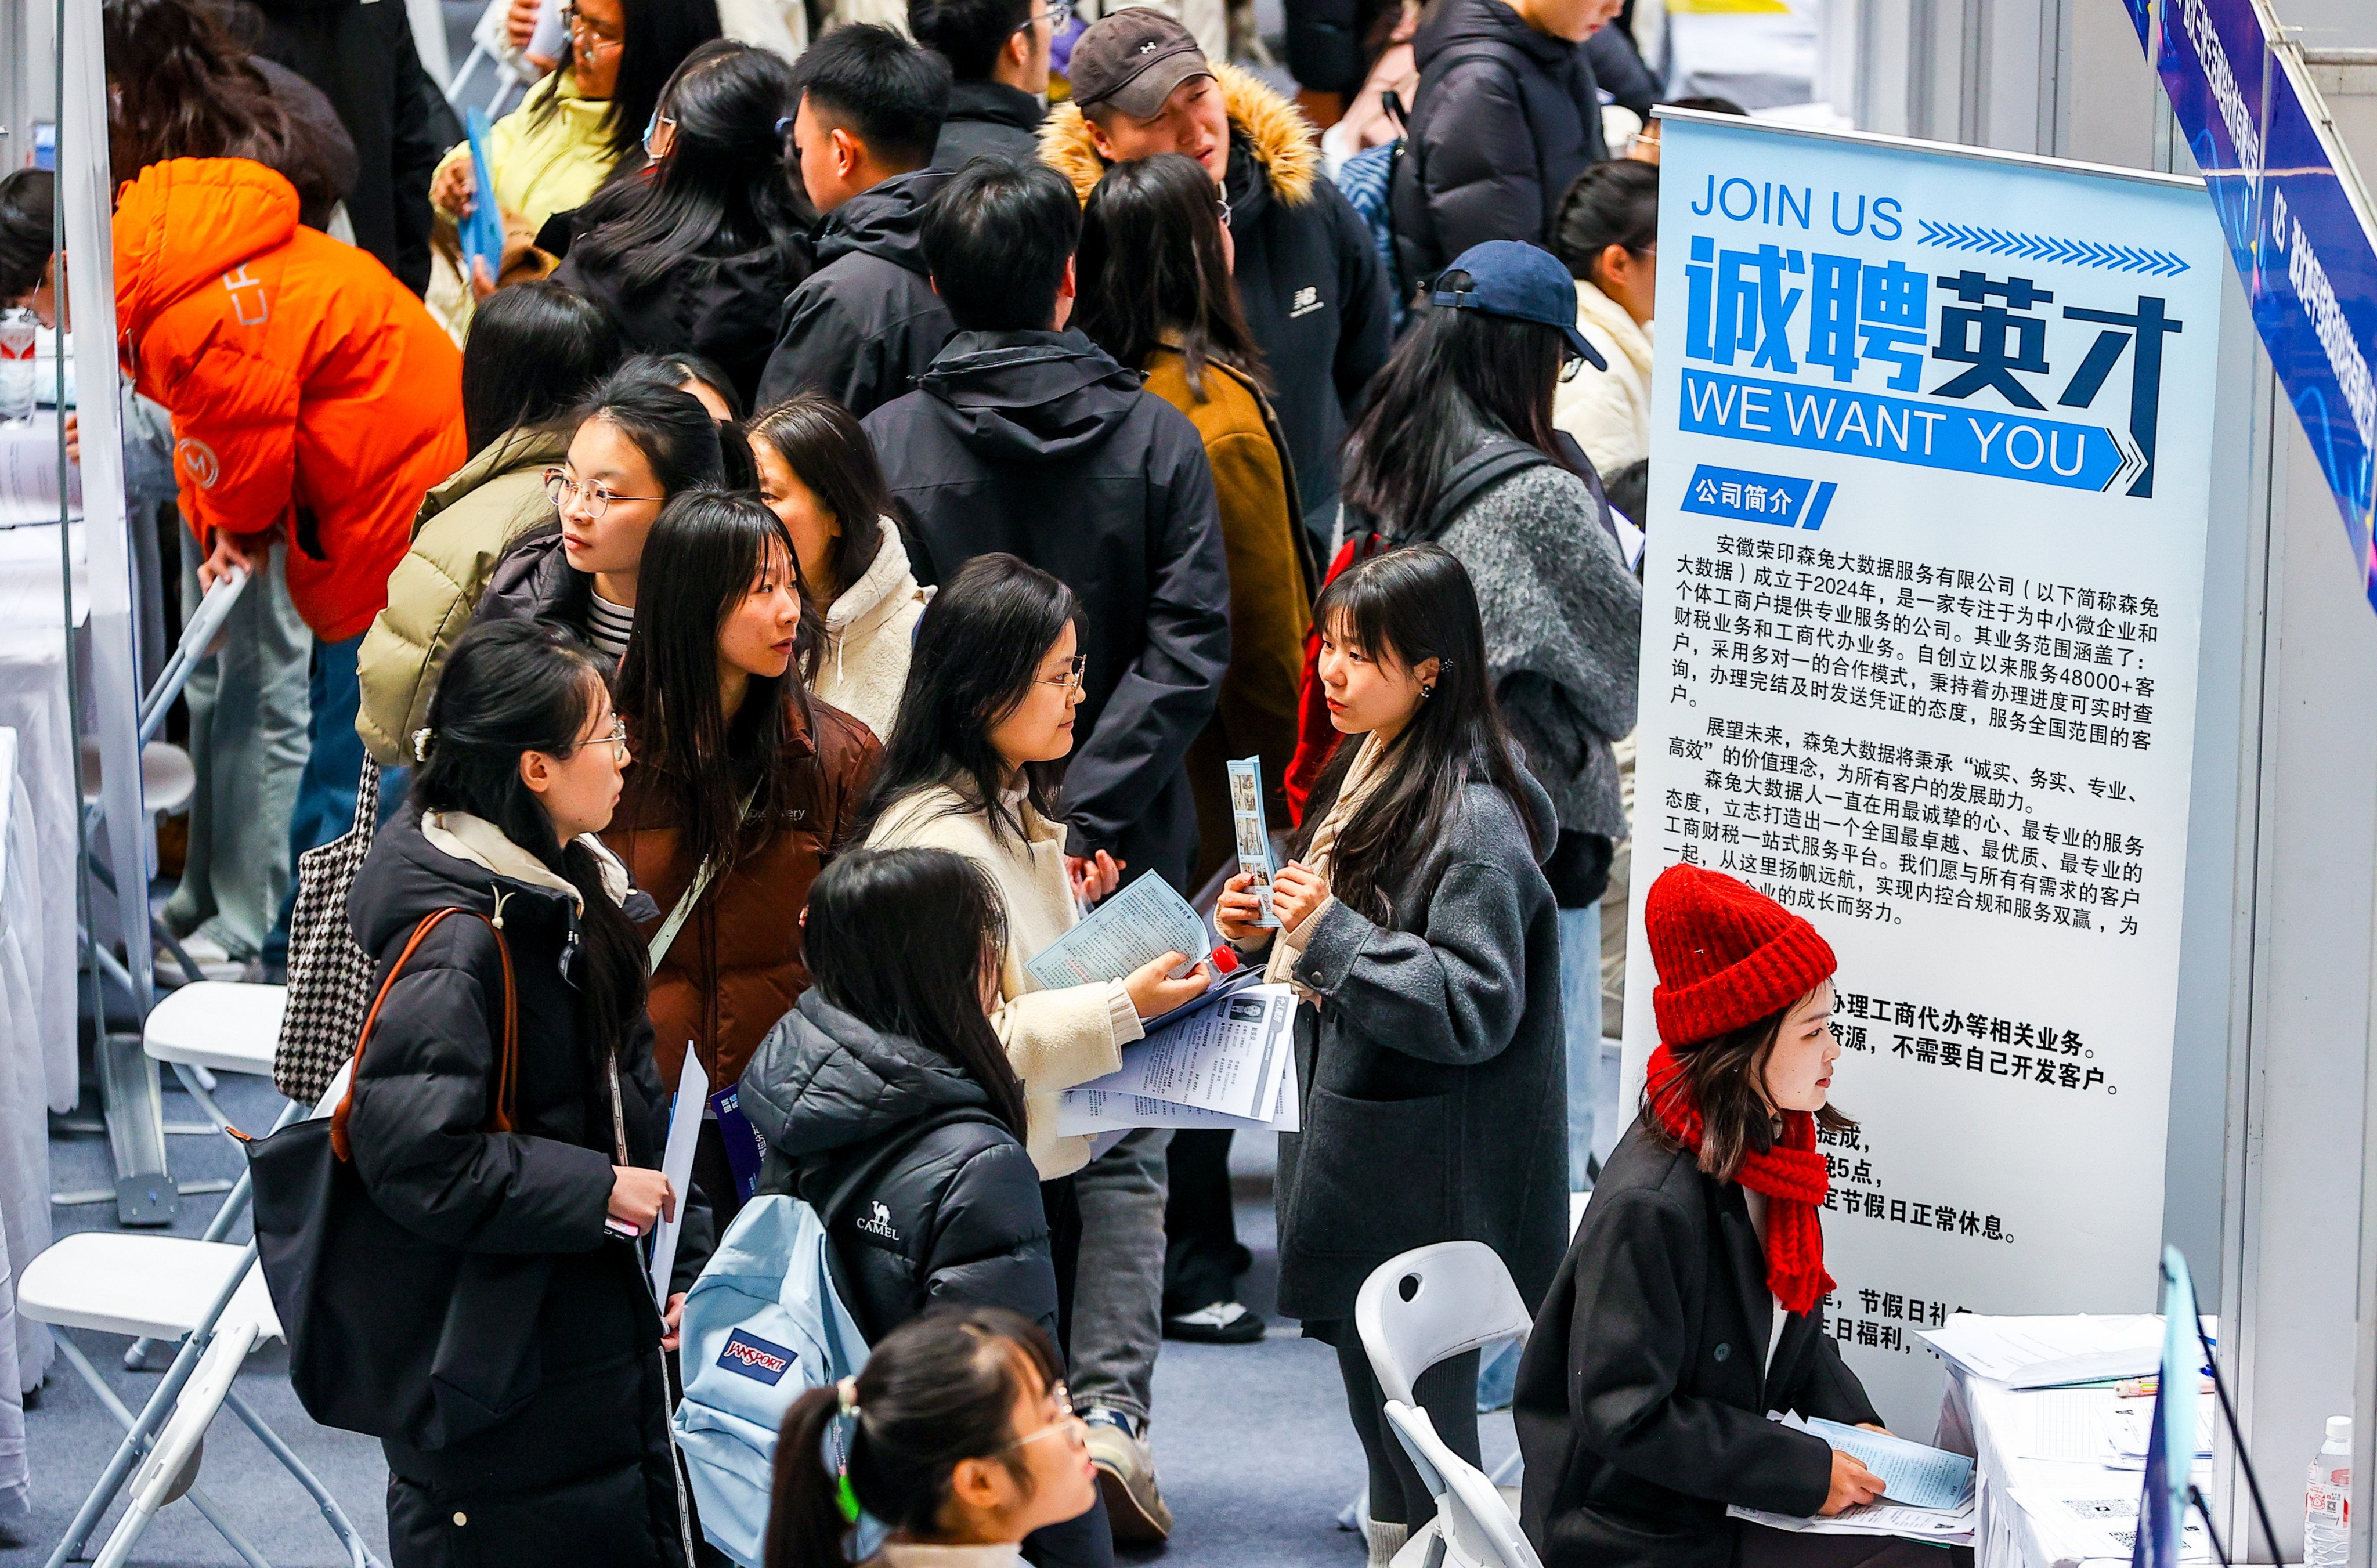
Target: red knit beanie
(1728, 955)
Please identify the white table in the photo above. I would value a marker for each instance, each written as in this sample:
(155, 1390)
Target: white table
(2030, 1443)
(33, 703)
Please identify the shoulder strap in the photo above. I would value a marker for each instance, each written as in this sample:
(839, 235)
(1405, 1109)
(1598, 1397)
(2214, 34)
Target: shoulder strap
(508, 1067)
(678, 917)
(1495, 458)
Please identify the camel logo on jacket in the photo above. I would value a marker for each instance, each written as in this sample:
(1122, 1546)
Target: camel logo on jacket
(878, 1223)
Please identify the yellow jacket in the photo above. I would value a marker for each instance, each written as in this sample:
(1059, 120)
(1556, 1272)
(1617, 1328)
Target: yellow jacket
(1271, 597)
(540, 169)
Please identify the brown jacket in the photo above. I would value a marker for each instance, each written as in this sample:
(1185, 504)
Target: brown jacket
(1271, 593)
(736, 965)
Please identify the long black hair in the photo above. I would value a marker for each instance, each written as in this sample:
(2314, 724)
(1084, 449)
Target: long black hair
(1410, 606)
(723, 189)
(667, 423)
(828, 450)
(183, 88)
(939, 1390)
(1455, 371)
(654, 38)
(1153, 273)
(531, 352)
(901, 940)
(704, 553)
(511, 686)
(977, 654)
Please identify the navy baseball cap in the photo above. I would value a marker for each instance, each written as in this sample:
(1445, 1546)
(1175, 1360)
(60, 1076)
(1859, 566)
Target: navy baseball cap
(1524, 283)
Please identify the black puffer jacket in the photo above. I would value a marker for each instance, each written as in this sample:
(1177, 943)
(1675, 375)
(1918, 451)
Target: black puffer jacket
(1037, 443)
(927, 1196)
(722, 308)
(865, 325)
(989, 118)
(534, 581)
(584, 1471)
(1504, 120)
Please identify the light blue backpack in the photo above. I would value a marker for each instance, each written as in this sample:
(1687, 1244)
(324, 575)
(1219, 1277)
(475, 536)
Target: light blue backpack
(762, 1327)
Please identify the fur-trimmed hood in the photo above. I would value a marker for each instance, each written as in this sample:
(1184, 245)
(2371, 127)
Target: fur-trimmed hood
(1284, 141)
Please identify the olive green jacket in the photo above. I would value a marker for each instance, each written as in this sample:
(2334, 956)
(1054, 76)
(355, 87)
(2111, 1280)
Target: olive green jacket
(463, 525)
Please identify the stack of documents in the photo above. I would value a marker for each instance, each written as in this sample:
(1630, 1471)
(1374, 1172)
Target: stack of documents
(1224, 1060)
(2050, 1351)
(1926, 1491)
(2100, 1521)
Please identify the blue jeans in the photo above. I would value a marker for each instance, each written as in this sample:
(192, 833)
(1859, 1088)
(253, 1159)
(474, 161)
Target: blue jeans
(1580, 934)
(326, 790)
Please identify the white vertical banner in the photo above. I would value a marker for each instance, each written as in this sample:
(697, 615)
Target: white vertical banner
(1930, 481)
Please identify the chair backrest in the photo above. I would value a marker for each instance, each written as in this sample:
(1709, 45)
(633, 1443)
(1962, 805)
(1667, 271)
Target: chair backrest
(328, 1103)
(1471, 1518)
(1433, 1302)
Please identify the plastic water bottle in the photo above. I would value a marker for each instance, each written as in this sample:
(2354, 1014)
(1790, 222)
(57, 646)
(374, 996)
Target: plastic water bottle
(17, 330)
(2327, 1507)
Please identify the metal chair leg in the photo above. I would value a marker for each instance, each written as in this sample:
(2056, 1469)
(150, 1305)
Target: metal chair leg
(235, 1204)
(197, 1496)
(358, 1553)
(152, 1415)
(177, 1444)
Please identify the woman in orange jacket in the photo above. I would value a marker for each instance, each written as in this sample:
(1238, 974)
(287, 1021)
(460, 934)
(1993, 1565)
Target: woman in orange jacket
(313, 403)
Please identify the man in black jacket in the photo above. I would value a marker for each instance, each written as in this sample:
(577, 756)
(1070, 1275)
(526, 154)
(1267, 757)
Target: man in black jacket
(864, 324)
(1507, 114)
(1027, 438)
(1309, 276)
(998, 50)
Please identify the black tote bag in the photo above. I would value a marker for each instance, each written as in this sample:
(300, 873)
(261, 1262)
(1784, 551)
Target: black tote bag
(391, 1334)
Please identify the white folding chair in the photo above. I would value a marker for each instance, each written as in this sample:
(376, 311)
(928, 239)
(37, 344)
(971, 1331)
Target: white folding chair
(1474, 1526)
(210, 1295)
(1433, 1303)
(211, 1026)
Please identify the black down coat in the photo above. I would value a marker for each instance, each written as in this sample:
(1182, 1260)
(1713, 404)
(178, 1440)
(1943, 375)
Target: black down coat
(926, 1195)
(865, 325)
(1435, 1073)
(583, 1475)
(722, 308)
(1642, 1396)
(1504, 120)
(1037, 443)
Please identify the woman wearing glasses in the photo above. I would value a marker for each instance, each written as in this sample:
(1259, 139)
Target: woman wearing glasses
(984, 721)
(538, 1327)
(638, 441)
(745, 786)
(584, 121)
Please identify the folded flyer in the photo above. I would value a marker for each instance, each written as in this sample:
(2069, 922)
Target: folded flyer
(1137, 925)
(1253, 835)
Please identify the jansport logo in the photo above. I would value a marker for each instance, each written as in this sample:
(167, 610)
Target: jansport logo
(755, 1359)
(878, 1223)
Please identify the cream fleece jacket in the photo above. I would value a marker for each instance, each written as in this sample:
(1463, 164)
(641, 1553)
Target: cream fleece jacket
(1608, 412)
(1055, 1039)
(869, 630)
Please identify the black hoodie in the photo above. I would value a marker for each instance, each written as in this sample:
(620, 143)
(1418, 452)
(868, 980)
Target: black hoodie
(1504, 119)
(867, 322)
(722, 308)
(1037, 443)
(926, 1195)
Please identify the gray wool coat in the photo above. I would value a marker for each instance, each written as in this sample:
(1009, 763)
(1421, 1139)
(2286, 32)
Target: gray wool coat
(1563, 622)
(1434, 1073)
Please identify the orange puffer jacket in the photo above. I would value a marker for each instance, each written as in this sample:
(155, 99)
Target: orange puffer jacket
(311, 393)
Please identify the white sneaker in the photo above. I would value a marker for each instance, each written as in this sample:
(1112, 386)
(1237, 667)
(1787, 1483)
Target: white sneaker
(1127, 1476)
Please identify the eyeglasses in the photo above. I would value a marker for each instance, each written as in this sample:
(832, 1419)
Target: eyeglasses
(1222, 204)
(1059, 13)
(617, 737)
(1072, 675)
(1570, 366)
(584, 33)
(653, 129)
(595, 499)
(1063, 1422)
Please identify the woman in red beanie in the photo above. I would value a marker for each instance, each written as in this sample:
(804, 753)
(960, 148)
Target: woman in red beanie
(1689, 1302)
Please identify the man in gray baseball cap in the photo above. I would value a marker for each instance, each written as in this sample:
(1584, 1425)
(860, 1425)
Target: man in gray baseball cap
(1146, 88)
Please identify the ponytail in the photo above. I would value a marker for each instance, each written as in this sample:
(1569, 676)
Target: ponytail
(940, 1389)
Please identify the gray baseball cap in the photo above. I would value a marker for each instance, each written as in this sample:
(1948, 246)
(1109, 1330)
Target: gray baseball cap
(1132, 60)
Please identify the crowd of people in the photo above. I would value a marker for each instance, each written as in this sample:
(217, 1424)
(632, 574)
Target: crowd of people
(840, 541)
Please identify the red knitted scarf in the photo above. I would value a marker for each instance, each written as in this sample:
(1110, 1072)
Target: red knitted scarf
(1791, 1174)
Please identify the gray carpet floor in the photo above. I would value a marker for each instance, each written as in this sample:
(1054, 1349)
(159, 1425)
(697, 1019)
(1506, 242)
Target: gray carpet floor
(1252, 1441)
